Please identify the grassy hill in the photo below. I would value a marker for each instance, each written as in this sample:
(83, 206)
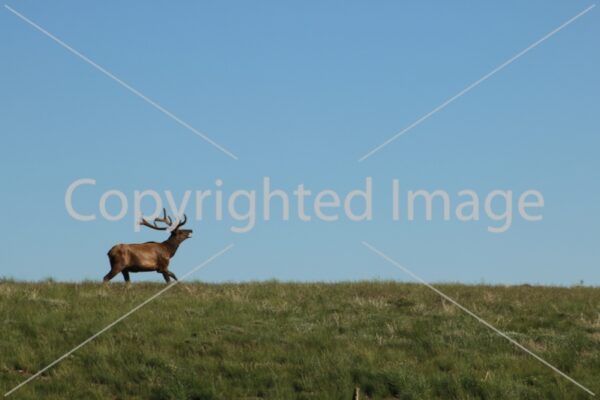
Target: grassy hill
(297, 341)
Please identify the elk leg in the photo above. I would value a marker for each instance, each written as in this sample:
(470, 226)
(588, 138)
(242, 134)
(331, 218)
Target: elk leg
(110, 275)
(172, 275)
(166, 276)
(125, 275)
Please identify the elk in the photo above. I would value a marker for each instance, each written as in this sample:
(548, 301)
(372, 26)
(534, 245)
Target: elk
(149, 256)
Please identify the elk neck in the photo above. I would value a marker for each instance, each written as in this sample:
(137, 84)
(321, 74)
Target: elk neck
(172, 243)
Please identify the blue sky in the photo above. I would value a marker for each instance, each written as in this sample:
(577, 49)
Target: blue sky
(299, 91)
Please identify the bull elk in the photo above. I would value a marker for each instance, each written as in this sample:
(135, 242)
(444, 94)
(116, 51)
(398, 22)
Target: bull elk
(149, 256)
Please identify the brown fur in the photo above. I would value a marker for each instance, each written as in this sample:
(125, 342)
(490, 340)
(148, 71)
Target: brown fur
(145, 257)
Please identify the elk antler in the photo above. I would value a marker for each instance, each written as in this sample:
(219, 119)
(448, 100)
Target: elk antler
(165, 220)
(180, 223)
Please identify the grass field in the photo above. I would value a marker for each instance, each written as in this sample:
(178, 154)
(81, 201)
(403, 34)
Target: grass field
(297, 341)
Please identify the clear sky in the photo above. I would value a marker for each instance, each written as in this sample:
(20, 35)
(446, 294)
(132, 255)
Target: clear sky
(299, 91)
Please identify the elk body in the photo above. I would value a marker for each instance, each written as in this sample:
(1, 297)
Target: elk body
(149, 256)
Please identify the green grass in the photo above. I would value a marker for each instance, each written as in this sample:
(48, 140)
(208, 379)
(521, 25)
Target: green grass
(297, 341)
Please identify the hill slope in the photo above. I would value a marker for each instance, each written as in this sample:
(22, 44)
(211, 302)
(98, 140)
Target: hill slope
(298, 341)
